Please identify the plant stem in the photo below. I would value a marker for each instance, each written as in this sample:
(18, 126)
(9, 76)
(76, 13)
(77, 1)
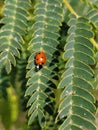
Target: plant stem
(94, 43)
(70, 8)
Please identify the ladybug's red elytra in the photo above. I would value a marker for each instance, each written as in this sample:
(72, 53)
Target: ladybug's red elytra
(40, 60)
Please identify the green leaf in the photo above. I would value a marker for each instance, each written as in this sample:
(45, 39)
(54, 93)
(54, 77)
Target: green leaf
(8, 66)
(34, 114)
(93, 17)
(80, 122)
(32, 98)
(76, 108)
(13, 30)
(40, 117)
(41, 84)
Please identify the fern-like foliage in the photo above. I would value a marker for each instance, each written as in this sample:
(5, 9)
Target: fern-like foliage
(93, 18)
(11, 34)
(48, 17)
(77, 102)
(93, 3)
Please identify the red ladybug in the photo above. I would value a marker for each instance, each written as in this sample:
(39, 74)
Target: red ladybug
(40, 60)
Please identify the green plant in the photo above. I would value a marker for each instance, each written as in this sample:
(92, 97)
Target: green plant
(61, 95)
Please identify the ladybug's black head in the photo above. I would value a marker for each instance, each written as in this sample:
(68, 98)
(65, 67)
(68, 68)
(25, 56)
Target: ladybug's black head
(38, 67)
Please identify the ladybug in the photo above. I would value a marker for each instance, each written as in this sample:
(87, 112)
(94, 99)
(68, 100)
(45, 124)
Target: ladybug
(40, 60)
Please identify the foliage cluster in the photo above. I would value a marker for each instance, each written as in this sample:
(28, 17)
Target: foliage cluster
(63, 93)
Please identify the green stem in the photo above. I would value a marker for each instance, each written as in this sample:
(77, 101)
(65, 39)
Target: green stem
(70, 8)
(94, 43)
